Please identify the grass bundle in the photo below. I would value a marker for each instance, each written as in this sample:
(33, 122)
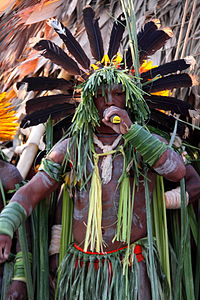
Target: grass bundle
(160, 227)
(66, 233)
(41, 226)
(93, 232)
(7, 279)
(124, 210)
(25, 255)
(2, 194)
(183, 253)
(152, 273)
(197, 261)
(129, 12)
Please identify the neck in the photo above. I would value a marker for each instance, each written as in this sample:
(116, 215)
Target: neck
(101, 134)
(104, 131)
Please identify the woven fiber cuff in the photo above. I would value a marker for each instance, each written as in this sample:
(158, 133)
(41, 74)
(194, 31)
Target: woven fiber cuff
(55, 239)
(54, 170)
(19, 272)
(150, 147)
(11, 218)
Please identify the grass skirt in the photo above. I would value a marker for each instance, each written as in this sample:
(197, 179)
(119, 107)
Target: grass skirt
(101, 276)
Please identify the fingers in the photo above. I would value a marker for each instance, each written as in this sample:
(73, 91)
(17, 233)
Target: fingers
(113, 110)
(5, 245)
(125, 123)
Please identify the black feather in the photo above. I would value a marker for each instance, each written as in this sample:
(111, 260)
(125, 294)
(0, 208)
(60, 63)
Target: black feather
(152, 43)
(57, 56)
(45, 102)
(46, 83)
(164, 122)
(116, 35)
(72, 44)
(56, 112)
(168, 83)
(169, 104)
(171, 67)
(149, 27)
(93, 33)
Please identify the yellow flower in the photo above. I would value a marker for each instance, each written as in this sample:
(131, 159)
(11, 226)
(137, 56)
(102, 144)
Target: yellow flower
(8, 124)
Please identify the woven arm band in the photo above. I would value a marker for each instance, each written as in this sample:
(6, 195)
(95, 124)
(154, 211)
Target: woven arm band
(150, 147)
(54, 170)
(173, 198)
(19, 272)
(11, 217)
(54, 247)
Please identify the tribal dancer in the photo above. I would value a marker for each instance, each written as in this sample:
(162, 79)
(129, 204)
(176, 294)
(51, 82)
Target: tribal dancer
(113, 160)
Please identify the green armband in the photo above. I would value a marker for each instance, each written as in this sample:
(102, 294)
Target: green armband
(54, 170)
(11, 217)
(19, 272)
(150, 147)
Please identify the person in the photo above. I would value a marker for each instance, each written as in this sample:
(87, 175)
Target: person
(168, 164)
(113, 170)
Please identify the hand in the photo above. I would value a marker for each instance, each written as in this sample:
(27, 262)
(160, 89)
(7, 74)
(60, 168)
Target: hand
(17, 291)
(125, 123)
(5, 245)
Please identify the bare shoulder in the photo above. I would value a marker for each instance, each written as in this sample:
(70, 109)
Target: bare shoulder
(58, 152)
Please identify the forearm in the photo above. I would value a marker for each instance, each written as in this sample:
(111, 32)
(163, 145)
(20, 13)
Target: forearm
(156, 153)
(170, 165)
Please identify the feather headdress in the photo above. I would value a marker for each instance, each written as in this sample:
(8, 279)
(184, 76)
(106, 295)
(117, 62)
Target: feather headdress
(154, 80)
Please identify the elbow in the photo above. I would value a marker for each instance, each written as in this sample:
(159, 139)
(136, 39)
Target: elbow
(171, 166)
(178, 174)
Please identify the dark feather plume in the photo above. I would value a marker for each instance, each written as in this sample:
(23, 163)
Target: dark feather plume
(45, 102)
(93, 33)
(149, 27)
(165, 122)
(169, 104)
(56, 112)
(72, 44)
(153, 42)
(57, 56)
(169, 82)
(116, 35)
(171, 67)
(46, 83)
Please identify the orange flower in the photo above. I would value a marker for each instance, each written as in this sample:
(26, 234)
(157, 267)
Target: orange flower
(8, 124)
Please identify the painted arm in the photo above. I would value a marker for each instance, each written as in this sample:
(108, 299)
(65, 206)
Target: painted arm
(25, 200)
